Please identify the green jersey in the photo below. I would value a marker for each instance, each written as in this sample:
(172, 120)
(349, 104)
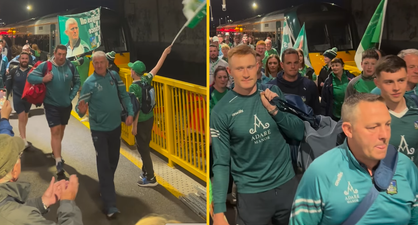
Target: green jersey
(137, 90)
(360, 84)
(247, 139)
(102, 94)
(339, 87)
(404, 130)
(215, 97)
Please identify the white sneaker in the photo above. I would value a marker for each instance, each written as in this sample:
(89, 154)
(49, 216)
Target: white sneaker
(26, 143)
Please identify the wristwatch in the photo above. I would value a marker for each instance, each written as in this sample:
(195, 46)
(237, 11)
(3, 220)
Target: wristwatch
(45, 207)
(274, 110)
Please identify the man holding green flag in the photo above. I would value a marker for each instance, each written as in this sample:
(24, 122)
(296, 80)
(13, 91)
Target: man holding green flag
(373, 33)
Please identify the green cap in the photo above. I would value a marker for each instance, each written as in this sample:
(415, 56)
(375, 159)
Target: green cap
(10, 150)
(138, 67)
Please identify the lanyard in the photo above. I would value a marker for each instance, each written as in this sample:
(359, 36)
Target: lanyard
(212, 68)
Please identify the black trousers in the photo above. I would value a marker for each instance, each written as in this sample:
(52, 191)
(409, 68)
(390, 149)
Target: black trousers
(107, 145)
(270, 206)
(143, 138)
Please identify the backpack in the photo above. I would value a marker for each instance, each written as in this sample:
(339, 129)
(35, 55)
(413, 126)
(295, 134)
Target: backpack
(35, 93)
(148, 97)
(321, 133)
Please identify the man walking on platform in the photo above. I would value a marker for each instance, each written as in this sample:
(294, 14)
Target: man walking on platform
(62, 84)
(16, 80)
(100, 94)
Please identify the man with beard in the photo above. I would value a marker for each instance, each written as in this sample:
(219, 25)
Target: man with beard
(15, 81)
(215, 61)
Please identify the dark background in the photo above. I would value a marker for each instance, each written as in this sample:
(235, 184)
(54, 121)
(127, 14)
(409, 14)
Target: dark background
(242, 9)
(153, 25)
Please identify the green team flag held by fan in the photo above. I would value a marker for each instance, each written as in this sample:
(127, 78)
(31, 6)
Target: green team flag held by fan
(373, 33)
(194, 11)
(287, 38)
(302, 43)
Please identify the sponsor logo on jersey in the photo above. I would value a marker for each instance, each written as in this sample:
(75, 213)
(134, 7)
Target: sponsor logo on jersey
(263, 132)
(351, 194)
(238, 112)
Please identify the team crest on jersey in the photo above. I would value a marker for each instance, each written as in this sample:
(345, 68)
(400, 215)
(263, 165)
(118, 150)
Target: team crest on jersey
(393, 188)
(416, 124)
(303, 98)
(111, 82)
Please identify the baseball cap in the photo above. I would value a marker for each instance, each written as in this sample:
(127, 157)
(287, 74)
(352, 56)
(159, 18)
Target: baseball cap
(10, 150)
(138, 67)
(215, 39)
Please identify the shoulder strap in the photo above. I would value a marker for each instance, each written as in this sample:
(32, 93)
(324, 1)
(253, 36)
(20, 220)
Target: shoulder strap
(71, 66)
(391, 161)
(7, 199)
(415, 98)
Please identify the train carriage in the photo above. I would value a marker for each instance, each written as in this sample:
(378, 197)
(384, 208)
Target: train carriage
(327, 25)
(115, 34)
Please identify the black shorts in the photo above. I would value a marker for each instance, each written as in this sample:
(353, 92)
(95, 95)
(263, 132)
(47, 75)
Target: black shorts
(57, 115)
(21, 105)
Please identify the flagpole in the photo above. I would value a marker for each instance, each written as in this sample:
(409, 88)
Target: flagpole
(184, 26)
(383, 22)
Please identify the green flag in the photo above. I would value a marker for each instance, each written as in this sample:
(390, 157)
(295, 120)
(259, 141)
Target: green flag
(80, 33)
(373, 33)
(302, 43)
(194, 11)
(287, 38)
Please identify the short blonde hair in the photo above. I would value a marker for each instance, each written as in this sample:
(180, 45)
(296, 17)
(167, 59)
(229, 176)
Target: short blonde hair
(261, 43)
(241, 50)
(155, 220)
(225, 46)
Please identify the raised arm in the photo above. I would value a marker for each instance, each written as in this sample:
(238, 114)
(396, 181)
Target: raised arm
(160, 63)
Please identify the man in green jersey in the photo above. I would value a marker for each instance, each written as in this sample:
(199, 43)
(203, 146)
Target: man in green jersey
(392, 80)
(411, 59)
(248, 137)
(102, 94)
(337, 182)
(365, 82)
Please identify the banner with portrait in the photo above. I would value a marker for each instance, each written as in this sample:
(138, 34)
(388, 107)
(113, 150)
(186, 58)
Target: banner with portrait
(80, 33)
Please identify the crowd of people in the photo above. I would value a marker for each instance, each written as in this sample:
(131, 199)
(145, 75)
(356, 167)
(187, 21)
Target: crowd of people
(98, 93)
(372, 178)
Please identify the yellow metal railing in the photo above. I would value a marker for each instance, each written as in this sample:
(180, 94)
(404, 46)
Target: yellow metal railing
(179, 123)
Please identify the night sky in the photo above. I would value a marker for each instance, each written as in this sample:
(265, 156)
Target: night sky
(242, 9)
(12, 11)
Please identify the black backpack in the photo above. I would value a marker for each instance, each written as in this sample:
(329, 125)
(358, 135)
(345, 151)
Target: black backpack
(147, 103)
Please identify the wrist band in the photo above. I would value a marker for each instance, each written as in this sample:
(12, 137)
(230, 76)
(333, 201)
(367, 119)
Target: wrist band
(274, 110)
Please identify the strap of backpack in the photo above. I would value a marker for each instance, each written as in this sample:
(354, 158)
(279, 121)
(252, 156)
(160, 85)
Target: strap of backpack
(117, 87)
(390, 160)
(415, 98)
(7, 199)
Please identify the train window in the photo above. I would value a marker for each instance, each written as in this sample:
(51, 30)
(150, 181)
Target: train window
(340, 36)
(316, 34)
(114, 37)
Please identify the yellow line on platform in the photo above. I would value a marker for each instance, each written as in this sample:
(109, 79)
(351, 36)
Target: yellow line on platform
(137, 162)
